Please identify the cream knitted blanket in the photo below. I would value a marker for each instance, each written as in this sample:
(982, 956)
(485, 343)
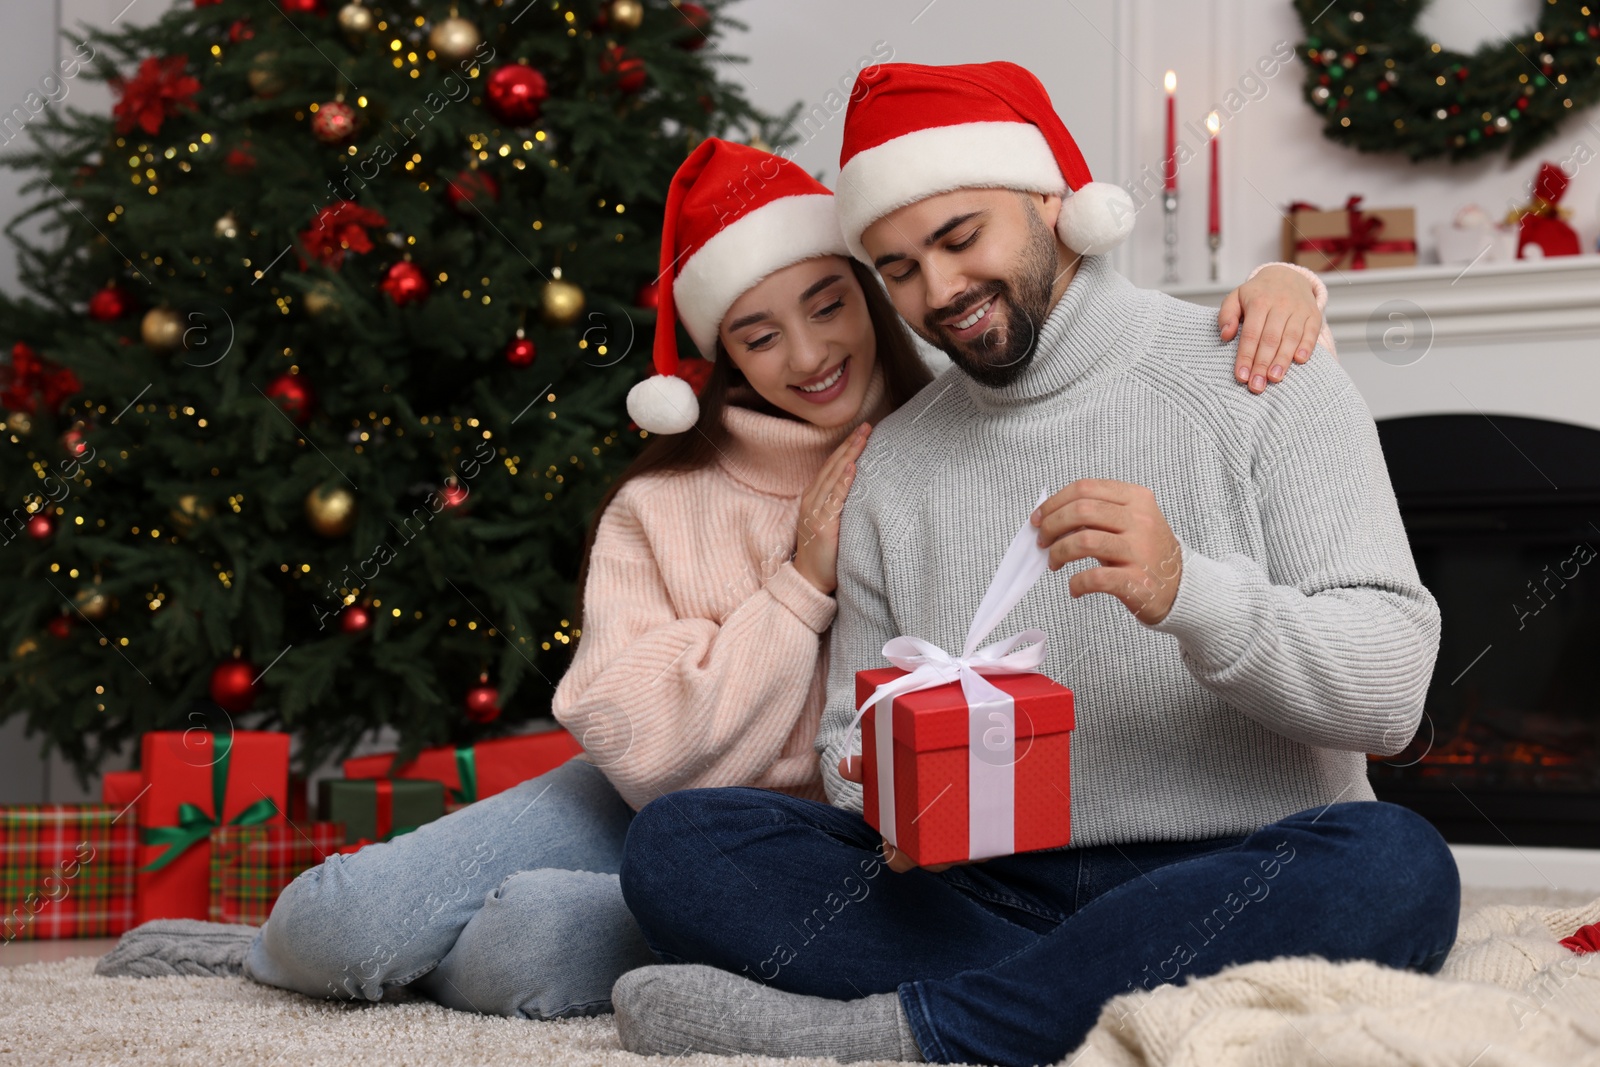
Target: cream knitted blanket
(1510, 995)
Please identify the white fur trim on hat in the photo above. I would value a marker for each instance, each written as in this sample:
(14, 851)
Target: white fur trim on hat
(972, 155)
(663, 403)
(778, 234)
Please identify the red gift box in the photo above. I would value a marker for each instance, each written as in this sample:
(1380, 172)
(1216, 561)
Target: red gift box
(474, 772)
(191, 774)
(66, 870)
(251, 865)
(932, 743)
(121, 788)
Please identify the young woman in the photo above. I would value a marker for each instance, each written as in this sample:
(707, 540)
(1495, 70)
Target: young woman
(705, 599)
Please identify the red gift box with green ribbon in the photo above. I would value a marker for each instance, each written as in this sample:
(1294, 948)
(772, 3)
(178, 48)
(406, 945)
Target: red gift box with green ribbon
(197, 781)
(473, 772)
(251, 865)
(378, 809)
(66, 870)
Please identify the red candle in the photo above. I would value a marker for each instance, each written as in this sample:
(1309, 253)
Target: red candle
(1171, 82)
(1214, 218)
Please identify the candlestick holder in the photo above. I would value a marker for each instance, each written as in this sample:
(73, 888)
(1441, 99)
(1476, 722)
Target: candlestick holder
(1169, 207)
(1215, 241)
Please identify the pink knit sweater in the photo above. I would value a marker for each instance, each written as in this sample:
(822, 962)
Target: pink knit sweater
(702, 661)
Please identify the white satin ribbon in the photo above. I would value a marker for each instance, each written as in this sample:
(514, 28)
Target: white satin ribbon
(991, 740)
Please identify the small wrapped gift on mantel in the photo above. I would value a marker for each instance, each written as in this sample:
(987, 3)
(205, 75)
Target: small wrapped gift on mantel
(967, 757)
(1349, 238)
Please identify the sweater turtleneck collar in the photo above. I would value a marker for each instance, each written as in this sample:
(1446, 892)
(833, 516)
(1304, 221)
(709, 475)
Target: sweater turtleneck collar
(779, 454)
(1078, 335)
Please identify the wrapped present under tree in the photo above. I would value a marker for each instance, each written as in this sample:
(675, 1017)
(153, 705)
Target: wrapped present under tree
(66, 870)
(198, 781)
(251, 865)
(471, 773)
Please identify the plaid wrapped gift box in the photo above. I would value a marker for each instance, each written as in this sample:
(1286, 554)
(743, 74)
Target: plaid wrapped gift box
(66, 870)
(251, 865)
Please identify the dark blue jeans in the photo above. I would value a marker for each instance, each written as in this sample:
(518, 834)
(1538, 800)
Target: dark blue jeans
(1009, 961)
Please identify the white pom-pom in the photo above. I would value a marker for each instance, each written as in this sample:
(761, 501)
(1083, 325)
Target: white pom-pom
(663, 403)
(1096, 218)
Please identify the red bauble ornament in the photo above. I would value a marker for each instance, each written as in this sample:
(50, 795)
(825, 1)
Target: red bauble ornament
(483, 703)
(629, 70)
(303, 7)
(241, 30)
(110, 304)
(521, 352)
(514, 93)
(404, 282)
(470, 188)
(239, 160)
(699, 20)
(293, 395)
(454, 495)
(648, 296)
(355, 619)
(233, 686)
(335, 121)
(41, 526)
(60, 626)
(72, 441)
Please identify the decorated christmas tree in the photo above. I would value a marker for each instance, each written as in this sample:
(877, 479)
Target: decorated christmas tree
(322, 367)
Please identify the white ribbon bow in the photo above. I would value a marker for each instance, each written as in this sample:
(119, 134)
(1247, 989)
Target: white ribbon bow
(991, 719)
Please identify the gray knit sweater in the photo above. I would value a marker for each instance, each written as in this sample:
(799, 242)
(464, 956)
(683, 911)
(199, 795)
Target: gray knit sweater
(1301, 637)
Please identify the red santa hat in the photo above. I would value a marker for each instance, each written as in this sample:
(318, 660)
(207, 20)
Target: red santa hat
(915, 131)
(734, 215)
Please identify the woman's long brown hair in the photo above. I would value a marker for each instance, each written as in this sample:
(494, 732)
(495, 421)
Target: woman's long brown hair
(904, 373)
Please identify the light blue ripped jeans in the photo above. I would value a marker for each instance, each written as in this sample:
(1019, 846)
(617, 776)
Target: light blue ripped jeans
(509, 906)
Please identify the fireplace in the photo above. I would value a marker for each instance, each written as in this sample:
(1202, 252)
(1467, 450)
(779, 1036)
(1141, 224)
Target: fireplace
(1503, 514)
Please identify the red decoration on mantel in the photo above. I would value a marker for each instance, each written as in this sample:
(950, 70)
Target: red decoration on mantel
(1542, 231)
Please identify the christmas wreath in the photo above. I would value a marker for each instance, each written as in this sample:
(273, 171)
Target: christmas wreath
(1381, 86)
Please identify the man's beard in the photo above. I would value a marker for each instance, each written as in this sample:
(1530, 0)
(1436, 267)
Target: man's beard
(999, 356)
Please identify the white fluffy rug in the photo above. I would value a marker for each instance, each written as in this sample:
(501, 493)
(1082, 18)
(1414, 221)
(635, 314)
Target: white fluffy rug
(1290, 1011)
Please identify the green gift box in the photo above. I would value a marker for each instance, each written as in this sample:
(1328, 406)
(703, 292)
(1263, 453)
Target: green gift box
(378, 809)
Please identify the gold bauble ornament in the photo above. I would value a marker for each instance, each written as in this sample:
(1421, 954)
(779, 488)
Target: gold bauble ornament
(321, 299)
(92, 602)
(627, 14)
(26, 646)
(190, 510)
(162, 329)
(18, 422)
(264, 79)
(454, 39)
(561, 302)
(227, 226)
(356, 20)
(331, 510)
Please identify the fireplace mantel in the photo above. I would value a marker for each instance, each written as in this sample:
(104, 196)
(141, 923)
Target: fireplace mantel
(1520, 338)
